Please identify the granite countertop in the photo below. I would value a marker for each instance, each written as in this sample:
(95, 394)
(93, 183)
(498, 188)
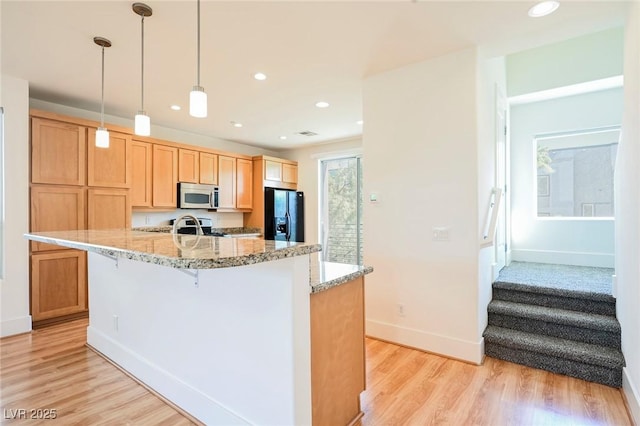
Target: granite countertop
(176, 250)
(228, 231)
(325, 275)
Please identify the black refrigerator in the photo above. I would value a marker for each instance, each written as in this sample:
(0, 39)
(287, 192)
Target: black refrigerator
(283, 215)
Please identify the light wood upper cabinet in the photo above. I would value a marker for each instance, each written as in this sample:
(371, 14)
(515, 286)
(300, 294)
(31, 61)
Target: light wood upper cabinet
(108, 209)
(109, 167)
(289, 173)
(208, 168)
(272, 170)
(58, 152)
(56, 208)
(188, 166)
(244, 183)
(141, 174)
(165, 176)
(58, 284)
(227, 182)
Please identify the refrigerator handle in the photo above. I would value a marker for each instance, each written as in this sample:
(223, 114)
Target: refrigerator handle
(288, 224)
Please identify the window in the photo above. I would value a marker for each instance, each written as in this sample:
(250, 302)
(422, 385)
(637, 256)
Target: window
(341, 210)
(575, 173)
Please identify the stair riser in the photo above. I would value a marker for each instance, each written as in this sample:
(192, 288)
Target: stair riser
(596, 337)
(593, 373)
(560, 302)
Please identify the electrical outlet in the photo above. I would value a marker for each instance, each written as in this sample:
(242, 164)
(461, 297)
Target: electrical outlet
(147, 220)
(440, 233)
(115, 323)
(400, 309)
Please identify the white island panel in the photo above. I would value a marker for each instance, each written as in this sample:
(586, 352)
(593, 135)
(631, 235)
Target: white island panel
(233, 350)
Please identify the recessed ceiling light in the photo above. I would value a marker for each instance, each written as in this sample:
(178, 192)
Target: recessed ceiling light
(260, 76)
(359, 122)
(322, 104)
(282, 138)
(175, 107)
(236, 124)
(543, 9)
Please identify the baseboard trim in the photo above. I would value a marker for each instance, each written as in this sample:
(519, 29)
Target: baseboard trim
(603, 260)
(632, 396)
(471, 352)
(14, 326)
(199, 405)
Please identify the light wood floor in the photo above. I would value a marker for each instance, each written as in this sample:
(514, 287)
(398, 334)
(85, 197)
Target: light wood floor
(52, 369)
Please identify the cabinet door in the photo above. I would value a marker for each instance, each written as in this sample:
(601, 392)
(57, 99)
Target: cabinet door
(244, 184)
(141, 156)
(58, 284)
(58, 152)
(56, 208)
(109, 167)
(165, 176)
(208, 168)
(109, 209)
(272, 170)
(188, 166)
(227, 182)
(289, 173)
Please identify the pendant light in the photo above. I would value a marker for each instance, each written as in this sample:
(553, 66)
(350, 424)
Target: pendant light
(197, 97)
(102, 135)
(142, 126)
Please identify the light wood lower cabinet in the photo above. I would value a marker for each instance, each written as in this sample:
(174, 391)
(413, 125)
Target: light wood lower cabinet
(56, 208)
(108, 209)
(58, 284)
(337, 353)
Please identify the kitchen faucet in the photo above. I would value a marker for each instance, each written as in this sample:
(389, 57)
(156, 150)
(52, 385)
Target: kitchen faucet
(199, 230)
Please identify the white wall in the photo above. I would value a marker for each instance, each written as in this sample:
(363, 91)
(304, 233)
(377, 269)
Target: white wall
(577, 60)
(570, 241)
(14, 293)
(308, 177)
(628, 216)
(420, 153)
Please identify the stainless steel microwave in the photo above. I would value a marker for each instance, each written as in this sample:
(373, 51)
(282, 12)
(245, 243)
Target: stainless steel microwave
(197, 196)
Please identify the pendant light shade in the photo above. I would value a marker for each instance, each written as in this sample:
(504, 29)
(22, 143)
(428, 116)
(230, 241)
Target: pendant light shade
(102, 135)
(197, 97)
(198, 102)
(142, 124)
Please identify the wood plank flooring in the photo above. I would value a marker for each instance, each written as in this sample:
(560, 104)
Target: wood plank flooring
(52, 369)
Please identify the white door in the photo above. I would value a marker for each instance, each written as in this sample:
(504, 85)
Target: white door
(501, 179)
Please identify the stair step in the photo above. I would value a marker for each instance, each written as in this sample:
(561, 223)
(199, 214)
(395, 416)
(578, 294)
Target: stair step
(596, 303)
(556, 315)
(581, 360)
(582, 327)
(561, 348)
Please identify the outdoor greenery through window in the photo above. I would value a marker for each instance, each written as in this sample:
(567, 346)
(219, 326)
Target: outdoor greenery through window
(575, 173)
(341, 210)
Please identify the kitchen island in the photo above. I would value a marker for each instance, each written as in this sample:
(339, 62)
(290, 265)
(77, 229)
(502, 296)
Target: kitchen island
(231, 330)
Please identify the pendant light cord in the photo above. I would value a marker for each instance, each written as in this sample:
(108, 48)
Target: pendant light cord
(102, 100)
(142, 69)
(198, 83)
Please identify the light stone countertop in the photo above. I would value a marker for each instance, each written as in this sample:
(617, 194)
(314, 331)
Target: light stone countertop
(175, 250)
(325, 275)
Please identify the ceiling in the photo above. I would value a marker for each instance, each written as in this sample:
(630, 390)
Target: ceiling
(310, 51)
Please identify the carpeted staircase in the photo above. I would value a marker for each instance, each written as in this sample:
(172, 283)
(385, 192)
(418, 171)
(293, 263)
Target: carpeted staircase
(562, 330)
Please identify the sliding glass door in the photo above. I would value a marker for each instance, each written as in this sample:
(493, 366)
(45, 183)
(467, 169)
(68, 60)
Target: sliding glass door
(341, 210)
